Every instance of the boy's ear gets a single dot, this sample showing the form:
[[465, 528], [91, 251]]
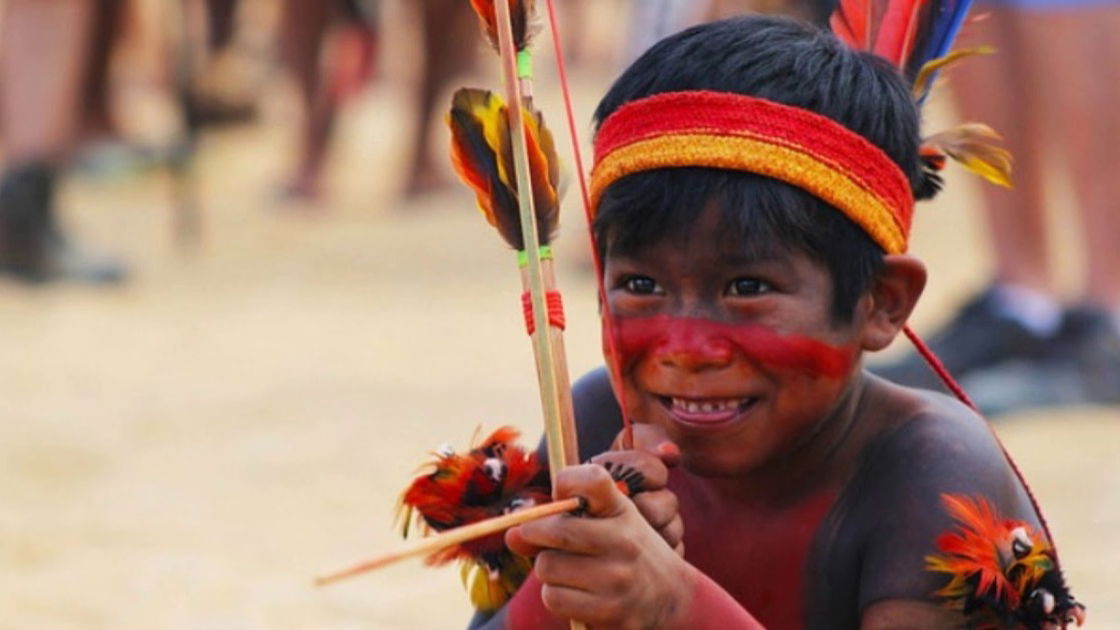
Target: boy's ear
[[893, 295]]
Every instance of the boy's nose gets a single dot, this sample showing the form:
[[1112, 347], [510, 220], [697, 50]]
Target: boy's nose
[[689, 345]]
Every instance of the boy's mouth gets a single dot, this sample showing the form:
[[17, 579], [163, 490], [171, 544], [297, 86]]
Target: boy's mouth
[[706, 411]]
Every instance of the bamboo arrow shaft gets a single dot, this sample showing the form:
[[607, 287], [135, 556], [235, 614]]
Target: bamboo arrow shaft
[[451, 537]]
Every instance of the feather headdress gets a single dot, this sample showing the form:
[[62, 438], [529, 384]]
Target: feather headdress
[[917, 37]]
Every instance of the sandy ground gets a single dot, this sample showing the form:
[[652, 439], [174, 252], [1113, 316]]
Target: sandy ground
[[188, 451]]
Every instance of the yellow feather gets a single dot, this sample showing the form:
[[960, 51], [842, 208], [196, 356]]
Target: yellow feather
[[925, 74], [972, 145]]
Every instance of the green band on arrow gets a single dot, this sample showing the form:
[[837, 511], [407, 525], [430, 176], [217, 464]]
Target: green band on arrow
[[524, 64], [545, 253]]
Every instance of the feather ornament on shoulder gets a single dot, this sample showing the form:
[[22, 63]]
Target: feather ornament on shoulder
[[1002, 572]]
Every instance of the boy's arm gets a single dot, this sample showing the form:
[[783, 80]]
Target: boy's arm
[[902, 513]]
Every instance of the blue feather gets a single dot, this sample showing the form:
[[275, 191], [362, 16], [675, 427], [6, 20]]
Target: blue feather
[[942, 22]]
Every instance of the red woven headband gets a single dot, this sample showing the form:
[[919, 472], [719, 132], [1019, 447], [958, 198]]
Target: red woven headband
[[736, 132]]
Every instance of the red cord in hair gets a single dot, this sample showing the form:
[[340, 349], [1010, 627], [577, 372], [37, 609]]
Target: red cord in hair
[[946, 378], [555, 311]]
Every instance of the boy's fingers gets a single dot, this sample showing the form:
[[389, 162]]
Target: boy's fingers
[[659, 508], [572, 603], [517, 543], [587, 573], [654, 473], [584, 536], [594, 484], [651, 439], [673, 533]]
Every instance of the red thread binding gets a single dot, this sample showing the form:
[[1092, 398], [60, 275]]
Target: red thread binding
[[555, 311]]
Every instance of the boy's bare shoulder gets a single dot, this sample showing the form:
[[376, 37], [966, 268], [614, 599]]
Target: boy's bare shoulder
[[935, 434], [934, 447]]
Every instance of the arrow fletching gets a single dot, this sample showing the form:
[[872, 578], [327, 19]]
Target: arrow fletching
[[482, 155], [522, 16]]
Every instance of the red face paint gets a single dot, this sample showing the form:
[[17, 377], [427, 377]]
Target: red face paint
[[697, 343]]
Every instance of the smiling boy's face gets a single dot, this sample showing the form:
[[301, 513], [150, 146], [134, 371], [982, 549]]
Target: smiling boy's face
[[736, 356]]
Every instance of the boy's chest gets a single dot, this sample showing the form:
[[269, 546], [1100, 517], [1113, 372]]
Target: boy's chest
[[758, 558]]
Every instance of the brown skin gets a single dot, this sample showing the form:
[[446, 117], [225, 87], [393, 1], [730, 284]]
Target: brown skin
[[801, 439]]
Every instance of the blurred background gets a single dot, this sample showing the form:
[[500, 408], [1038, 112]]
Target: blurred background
[[242, 298]]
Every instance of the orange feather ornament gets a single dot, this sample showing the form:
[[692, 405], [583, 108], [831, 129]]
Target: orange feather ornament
[[1002, 573], [495, 477]]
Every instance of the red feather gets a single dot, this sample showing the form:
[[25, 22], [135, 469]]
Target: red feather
[[522, 14], [887, 28]]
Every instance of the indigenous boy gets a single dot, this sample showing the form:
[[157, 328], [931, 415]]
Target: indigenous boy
[[746, 274]]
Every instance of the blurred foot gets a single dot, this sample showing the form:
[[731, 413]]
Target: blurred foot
[[1083, 367], [32, 248], [1000, 324], [300, 189]]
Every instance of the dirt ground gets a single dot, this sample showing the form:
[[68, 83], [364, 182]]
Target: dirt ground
[[189, 450]]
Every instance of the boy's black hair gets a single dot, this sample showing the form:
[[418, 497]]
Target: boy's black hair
[[788, 62]]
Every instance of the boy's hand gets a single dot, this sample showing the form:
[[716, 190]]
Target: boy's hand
[[611, 569], [654, 453]]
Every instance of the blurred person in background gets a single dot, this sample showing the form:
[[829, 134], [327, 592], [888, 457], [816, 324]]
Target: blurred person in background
[[1051, 89], [652, 20], [50, 68], [330, 49], [325, 75]]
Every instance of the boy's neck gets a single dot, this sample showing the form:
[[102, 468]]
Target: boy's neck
[[825, 459]]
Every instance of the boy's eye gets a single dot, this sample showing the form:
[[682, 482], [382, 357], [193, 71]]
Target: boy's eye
[[748, 286], [641, 285]]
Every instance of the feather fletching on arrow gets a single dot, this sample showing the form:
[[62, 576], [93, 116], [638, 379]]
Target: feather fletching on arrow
[[522, 16], [481, 154], [972, 145]]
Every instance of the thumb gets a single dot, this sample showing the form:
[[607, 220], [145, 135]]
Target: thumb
[[595, 485]]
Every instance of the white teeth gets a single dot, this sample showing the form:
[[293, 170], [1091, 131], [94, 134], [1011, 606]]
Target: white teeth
[[707, 406]]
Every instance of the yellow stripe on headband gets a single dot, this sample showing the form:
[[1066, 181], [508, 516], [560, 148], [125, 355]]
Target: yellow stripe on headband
[[763, 157]]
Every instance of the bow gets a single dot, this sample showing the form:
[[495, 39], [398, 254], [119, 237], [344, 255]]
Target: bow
[[505, 153]]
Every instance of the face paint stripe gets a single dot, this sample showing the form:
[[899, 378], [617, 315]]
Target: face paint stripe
[[703, 342]]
